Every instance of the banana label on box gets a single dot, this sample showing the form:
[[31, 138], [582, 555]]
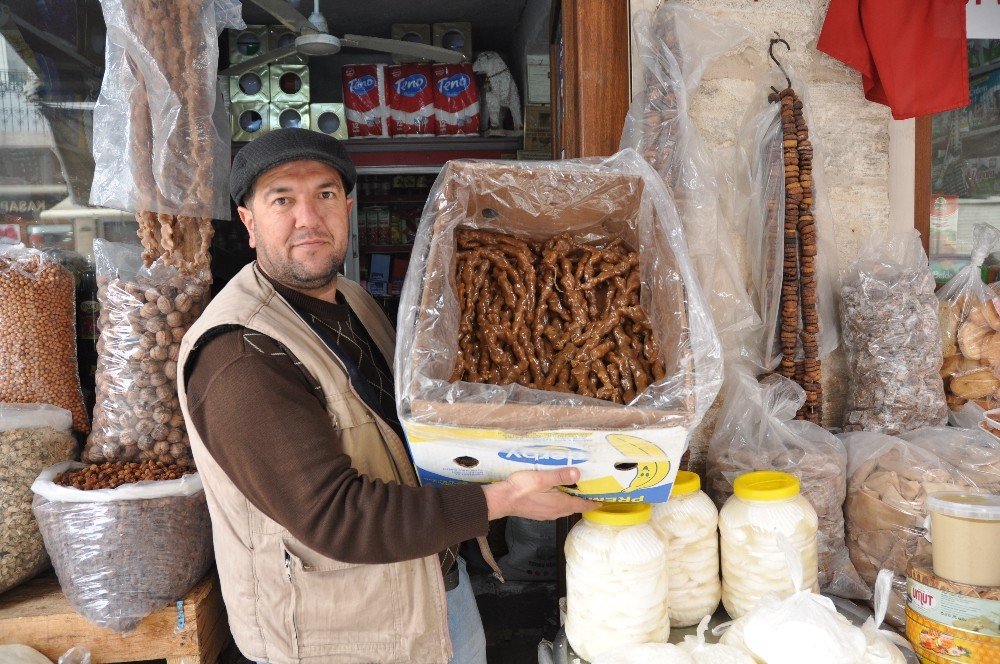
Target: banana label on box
[[615, 466]]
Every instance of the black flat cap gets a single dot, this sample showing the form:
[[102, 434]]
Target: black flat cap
[[282, 146]]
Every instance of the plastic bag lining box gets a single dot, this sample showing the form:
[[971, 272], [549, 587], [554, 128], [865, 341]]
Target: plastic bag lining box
[[466, 432]]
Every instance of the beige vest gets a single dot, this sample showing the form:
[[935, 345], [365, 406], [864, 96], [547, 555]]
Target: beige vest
[[286, 602]]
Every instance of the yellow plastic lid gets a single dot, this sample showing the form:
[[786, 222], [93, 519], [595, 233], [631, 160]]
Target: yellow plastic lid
[[620, 514], [766, 485], [686, 482]]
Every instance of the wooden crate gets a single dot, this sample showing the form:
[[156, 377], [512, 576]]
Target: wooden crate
[[37, 614]]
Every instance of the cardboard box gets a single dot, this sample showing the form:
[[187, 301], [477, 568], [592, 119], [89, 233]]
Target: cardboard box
[[624, 454], [538, 128]]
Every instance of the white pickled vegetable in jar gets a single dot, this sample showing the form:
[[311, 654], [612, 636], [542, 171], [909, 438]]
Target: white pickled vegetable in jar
[[616, 580], [765, 503], [688, 523]]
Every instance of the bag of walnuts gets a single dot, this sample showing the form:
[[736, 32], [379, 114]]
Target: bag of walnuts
[[38, 333], [144, 314], [32, 438], [122, 553]]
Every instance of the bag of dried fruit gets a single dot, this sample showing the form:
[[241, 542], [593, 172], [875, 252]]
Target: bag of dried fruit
[[32, 438], [123, 550], [889, 318], [38, 333], [144, 314], [970, 328]]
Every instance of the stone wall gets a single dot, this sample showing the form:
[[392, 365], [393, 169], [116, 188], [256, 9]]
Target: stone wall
[[852, 135]]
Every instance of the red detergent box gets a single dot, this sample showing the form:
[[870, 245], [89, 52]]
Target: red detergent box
[[411, 100], [456, 99], [365, 105]]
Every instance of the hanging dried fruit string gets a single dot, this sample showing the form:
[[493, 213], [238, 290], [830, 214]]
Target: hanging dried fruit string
[[799, 314], [170, 32]]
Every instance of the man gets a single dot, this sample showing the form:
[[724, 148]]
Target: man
[[328, 549]]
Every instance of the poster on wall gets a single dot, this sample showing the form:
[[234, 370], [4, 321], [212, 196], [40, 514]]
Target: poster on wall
[[982, 19]]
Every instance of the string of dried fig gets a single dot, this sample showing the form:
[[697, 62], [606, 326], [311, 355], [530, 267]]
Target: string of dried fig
[[799, 314], [182, 241], [561, 316]]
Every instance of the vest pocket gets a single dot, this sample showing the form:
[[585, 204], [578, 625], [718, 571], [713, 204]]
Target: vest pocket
[[343, 608]]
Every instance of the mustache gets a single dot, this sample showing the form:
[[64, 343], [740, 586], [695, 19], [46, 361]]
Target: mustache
[[308, 236]]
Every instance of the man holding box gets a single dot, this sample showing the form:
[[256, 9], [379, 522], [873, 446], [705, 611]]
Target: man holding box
[[328, 549]]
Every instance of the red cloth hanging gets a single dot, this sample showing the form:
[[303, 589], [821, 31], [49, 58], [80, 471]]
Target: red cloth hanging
[[912, 54]]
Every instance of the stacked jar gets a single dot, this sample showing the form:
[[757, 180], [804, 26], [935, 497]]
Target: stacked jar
[[765, 508], [616, 581], [688, 523]]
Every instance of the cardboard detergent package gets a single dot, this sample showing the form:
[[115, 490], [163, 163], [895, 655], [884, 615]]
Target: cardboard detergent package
[[463, 431], [410, 95]]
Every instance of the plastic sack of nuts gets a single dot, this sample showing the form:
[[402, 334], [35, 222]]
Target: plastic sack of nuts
[[560, 214], [889, 320], [677, 44], [38, 333], [970, 328], [161, 128], [889, 479], [122, 553], [144, 314], [756, 430], [32, 438]]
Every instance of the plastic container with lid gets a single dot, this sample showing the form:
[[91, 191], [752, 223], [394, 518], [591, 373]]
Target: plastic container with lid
[[765, 503], [616, 580], [689, 526], [965, 537]]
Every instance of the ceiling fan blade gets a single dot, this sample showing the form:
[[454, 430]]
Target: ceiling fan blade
[[265, 59], [63, 46], [399, 47], [287, 15]]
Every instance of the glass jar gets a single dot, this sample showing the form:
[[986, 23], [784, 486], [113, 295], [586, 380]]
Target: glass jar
[[765, 503], [688, 523], [616, 580]]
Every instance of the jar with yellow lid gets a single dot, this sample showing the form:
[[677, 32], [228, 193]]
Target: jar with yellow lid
[[616, 581], [688, 523], [765, 504]]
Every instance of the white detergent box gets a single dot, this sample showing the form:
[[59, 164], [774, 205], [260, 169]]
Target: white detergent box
[[615, 466]]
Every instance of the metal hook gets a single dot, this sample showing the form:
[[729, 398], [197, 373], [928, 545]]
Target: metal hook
[[770, 52]]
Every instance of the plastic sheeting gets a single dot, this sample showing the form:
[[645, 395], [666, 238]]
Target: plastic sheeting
[[161, 138], [677, 44], [594, 200]]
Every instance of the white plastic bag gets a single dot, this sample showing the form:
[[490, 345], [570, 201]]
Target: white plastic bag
[[157, 140], [531, 550], [712, 653], [756, 430], [883, 644], [889, 316], [676, 44], [646, 653], [122, 553], [592, 200]]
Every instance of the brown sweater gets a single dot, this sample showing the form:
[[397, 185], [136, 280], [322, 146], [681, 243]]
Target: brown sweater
[[263, 419]]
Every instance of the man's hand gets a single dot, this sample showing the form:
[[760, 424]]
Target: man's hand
[[531, 494]]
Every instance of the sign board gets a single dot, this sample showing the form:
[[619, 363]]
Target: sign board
[[982, 19]]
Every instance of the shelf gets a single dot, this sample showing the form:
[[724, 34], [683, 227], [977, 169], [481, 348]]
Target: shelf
[[386, 248], [440, 143]]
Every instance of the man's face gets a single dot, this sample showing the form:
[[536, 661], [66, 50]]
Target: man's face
[[298, 219]]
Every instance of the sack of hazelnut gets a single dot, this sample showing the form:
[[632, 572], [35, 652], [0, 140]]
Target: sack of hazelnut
[[122, 553], [144, 314], [38, 333]]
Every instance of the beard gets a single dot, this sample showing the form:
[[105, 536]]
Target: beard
[[300, 276]]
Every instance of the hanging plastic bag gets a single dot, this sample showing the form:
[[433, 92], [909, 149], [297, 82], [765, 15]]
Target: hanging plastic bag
[[144, 314], [38, 361], [122, 553], [970, 328], [676, 44], [32, 438], [611, 199], [756, 430], [883, 644], [889, 479], [158, 145], [890, 325], [759, 181]]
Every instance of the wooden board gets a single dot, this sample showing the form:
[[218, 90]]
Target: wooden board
[[37, 614]]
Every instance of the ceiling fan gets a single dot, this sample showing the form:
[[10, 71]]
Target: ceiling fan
[[315, 40]]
